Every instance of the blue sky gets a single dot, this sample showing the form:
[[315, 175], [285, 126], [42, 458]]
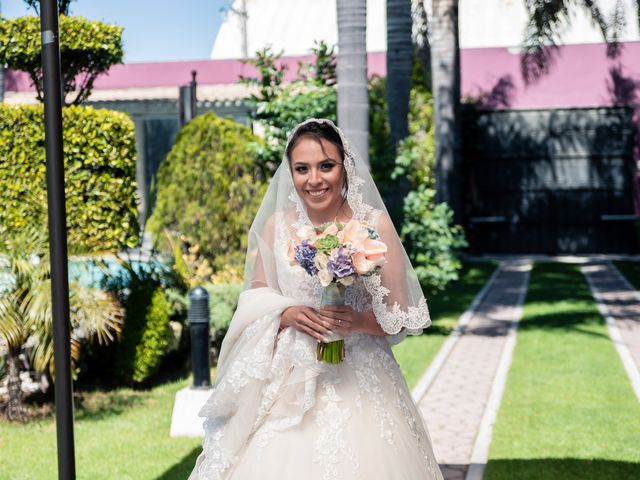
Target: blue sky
[[154, 30]]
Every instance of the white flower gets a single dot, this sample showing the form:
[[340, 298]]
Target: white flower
[[325, 277], [321, 261]]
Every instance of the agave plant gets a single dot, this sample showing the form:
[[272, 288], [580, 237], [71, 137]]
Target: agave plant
[[25, 311]]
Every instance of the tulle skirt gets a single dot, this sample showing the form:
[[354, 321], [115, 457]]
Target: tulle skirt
[[364, 425]]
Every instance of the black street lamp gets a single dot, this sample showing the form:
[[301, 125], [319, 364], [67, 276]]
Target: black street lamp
[[57, 237]]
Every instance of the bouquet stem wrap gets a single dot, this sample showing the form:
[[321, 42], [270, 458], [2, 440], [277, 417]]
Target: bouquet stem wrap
[[333, 351]]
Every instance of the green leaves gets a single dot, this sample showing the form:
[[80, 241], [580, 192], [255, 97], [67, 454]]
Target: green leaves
[[99, 173], [431, 238], [87, 49], [25, 305], [209, 189], [278, 108]]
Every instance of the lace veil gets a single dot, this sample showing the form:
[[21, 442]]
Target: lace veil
[[266, 378], [396, 296]]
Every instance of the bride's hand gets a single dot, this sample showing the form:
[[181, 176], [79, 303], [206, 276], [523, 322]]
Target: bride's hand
[[343, 318], [347, 320], [307, 320]]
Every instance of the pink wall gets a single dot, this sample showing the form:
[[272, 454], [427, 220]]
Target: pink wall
[[582, 76], [137, 75]]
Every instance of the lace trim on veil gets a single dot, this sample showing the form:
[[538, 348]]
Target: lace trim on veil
[[392, 318]]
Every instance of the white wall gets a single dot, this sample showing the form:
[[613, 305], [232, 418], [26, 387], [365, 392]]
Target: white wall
[[501, 23], [292, 26]]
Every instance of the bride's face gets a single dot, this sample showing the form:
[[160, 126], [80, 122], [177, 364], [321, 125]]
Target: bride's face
[[318, 175]]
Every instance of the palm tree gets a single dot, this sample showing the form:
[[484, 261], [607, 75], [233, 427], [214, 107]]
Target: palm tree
[[399, 61], [541, 38], [420, 34], [25, 311], [546, 19], [445, 78], [353, 97]]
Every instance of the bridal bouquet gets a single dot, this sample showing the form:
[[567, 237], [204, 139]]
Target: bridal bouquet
[[336, 253]]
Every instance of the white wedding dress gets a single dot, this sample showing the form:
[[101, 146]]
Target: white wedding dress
[[352, 420], [275, 412]]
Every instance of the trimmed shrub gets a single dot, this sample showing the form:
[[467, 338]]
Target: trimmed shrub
[[100, 166], [146, 335], [209, 189], [156, 337], [87, 49]]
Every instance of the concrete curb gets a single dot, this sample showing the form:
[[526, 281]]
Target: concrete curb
[[480, 453], [614, 332], [436, 364]]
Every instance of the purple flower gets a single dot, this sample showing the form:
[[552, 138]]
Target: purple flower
[[305, 256], [341, 265]]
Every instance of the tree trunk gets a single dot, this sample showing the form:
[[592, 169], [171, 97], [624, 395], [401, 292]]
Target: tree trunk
[[15, 408], [353, 96], [445, 67], [421, 39], [399, 58]]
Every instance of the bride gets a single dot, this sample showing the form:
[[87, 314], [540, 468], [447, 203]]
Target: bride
[[278, 413]]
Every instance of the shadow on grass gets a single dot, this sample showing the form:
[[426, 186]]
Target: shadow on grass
[[573, 320], [561, 468], [181, 470], [631, 271], [559, 298], [100, 405]]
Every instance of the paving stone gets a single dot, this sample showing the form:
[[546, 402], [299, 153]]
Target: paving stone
[[456, 399], [622, 302]]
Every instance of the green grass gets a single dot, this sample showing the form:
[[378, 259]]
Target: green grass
[[122, 434], [568, 411], [415, 353], [631, 270]]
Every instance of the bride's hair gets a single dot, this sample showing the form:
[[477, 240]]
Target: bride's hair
[[319, 131]]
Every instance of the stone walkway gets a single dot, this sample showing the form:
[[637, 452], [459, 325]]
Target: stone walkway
[[464, 395], [619, 304]]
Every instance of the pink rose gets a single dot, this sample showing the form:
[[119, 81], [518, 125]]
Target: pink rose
[[370, 256], [354, 234]]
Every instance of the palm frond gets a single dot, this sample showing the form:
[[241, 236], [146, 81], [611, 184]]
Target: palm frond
[[548, 20], [95, 313], [13, 332]]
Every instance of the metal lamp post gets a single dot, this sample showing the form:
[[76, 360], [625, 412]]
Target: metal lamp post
[[57, 237]]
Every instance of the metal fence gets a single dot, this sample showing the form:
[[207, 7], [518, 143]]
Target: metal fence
[[550, 181]]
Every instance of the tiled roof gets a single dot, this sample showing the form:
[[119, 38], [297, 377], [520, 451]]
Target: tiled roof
[[217, 79], [212, 93]]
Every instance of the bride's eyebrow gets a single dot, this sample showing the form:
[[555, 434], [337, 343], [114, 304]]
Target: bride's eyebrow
[[328, 159]]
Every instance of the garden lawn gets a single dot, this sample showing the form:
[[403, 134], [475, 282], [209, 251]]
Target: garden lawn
[[568, 411], [414, 353], [123, 435], [631, 270]]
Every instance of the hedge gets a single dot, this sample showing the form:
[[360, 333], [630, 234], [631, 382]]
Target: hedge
[[209, 189], [100, 166]]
